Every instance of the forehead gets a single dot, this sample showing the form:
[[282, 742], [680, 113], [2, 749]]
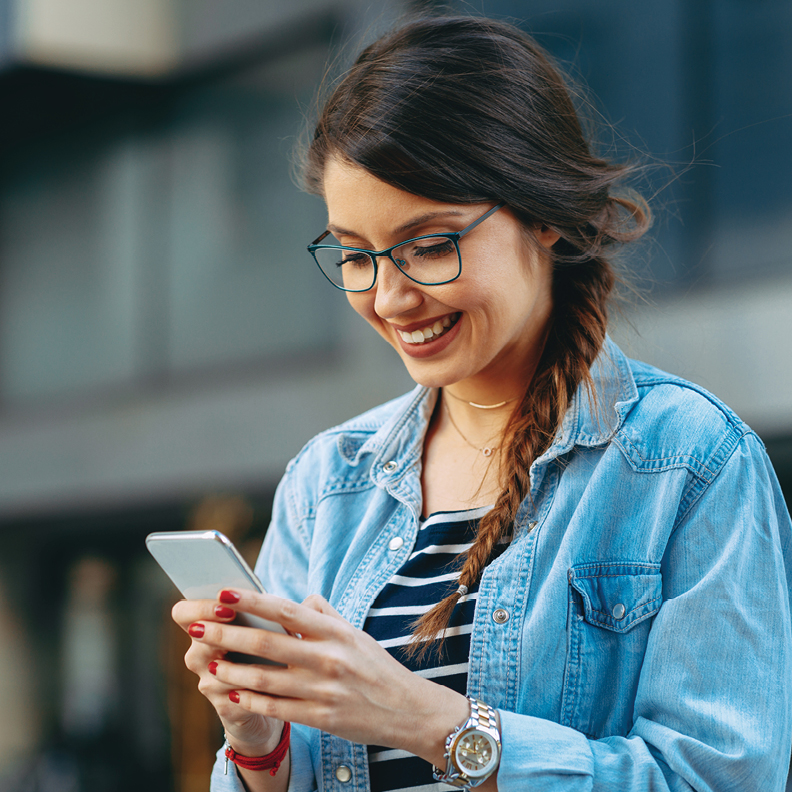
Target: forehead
[[359, 201]]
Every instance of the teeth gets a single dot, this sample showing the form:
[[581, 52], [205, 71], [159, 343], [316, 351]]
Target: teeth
[[425, 333]]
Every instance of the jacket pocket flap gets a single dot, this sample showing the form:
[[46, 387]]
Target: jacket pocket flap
[[618, 595]]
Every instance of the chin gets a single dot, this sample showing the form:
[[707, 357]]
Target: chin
[[423, 375]]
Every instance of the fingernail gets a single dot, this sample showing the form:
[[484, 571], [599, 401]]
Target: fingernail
[[213, 667], [229, 597], [224, 613], [196, 630], [234, 696]]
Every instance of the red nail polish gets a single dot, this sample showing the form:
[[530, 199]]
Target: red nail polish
[[234, 696], [213, 667], [224, 613], [196, 630], [229, 597]]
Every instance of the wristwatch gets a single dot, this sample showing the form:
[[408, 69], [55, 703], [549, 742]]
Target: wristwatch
[[472, 750]]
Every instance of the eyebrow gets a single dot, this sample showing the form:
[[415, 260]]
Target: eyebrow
[[405, 227]]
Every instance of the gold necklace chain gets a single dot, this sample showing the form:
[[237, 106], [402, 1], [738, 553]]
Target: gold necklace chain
[[479, 406], [486, 451]]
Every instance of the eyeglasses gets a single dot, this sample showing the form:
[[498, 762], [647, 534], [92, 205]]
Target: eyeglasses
[[431, 260]]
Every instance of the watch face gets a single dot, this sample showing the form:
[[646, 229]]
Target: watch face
[[475, 753]]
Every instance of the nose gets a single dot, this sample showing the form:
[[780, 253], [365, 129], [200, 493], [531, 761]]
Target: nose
[[395, 292]]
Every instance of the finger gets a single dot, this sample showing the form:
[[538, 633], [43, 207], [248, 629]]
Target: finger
[[186, 612], [244, 725], [282, 709], [218, 696], [274, 646], [203, 660], [321, 605], [213, 688], [267, 679], [199, 656], [279, 681], [305, 620]]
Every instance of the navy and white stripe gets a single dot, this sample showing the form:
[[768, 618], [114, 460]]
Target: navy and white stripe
[[428, 576]]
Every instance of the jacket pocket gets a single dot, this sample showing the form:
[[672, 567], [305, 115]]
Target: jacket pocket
[[611, 607]]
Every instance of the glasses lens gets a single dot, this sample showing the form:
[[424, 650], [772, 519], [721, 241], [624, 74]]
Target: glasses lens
[[348, 269], [429, 260]]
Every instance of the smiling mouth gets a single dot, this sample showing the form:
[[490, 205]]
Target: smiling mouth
[[431, 332]]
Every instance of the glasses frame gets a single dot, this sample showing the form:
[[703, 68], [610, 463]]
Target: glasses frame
[[454, 236]]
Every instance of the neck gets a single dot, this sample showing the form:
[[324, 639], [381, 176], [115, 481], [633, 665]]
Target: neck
[[479, 406], [499, 389], [481, 400], [482, 427]]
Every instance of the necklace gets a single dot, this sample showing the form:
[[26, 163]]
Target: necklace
[[479, 406], [486, 451]]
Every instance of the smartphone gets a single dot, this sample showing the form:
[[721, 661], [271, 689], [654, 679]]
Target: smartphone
[[200, 564]]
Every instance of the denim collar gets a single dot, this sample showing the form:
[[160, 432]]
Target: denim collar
[[399, 439], [593, 422]]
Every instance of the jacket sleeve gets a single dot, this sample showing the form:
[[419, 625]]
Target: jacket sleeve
[[712, 709], [282, 567], [301, 776], [282, 564]]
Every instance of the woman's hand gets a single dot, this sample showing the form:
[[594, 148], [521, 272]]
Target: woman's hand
[[336, 678], [249, 733]]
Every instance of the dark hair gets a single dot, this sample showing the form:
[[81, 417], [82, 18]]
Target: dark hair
[[470, 110]]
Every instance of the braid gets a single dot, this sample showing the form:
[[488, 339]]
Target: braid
[[575, 338]]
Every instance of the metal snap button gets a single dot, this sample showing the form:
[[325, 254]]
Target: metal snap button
[[500, 616], [532, 525], [343, 773], [389, 467], [619, 611], [395, 543]]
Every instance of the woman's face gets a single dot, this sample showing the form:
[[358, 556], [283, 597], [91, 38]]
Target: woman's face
[[487, 326]]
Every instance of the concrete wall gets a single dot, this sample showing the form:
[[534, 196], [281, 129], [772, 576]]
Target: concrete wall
[[734, 341]]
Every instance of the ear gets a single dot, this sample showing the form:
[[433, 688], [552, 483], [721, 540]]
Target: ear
[[546, 236]]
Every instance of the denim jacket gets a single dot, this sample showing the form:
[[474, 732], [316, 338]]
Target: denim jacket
[[642, 638]]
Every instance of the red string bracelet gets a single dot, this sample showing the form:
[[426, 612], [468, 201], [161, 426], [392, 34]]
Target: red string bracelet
[[272, 761]]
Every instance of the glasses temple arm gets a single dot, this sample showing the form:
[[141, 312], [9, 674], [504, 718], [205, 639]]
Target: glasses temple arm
[[482, 218], [319, 239]]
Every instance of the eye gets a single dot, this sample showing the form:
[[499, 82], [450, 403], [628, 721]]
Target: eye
[[355, 259], [435, 249]]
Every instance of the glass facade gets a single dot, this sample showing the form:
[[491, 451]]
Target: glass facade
[[701, 91], [151, 239], [163, 239]]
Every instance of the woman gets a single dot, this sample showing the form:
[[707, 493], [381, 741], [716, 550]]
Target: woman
[[596, 552]]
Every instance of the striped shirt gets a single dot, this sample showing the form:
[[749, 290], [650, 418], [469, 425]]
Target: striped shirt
[[428, 576]]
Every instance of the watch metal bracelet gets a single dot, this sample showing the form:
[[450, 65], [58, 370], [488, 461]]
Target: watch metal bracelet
[[483, 723]]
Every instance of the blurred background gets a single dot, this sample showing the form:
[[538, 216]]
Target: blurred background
[[167, 345]]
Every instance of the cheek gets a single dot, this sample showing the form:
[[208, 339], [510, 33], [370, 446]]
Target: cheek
[[534, 275]]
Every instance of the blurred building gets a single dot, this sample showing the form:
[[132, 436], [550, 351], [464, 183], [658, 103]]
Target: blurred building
[[164, 335], [166, 344]]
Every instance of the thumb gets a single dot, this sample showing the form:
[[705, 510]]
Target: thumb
[[321, 605]]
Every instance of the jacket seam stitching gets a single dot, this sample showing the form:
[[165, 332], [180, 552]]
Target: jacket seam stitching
[[627, 563], [693, 494], [619, 575], [680, 457]]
